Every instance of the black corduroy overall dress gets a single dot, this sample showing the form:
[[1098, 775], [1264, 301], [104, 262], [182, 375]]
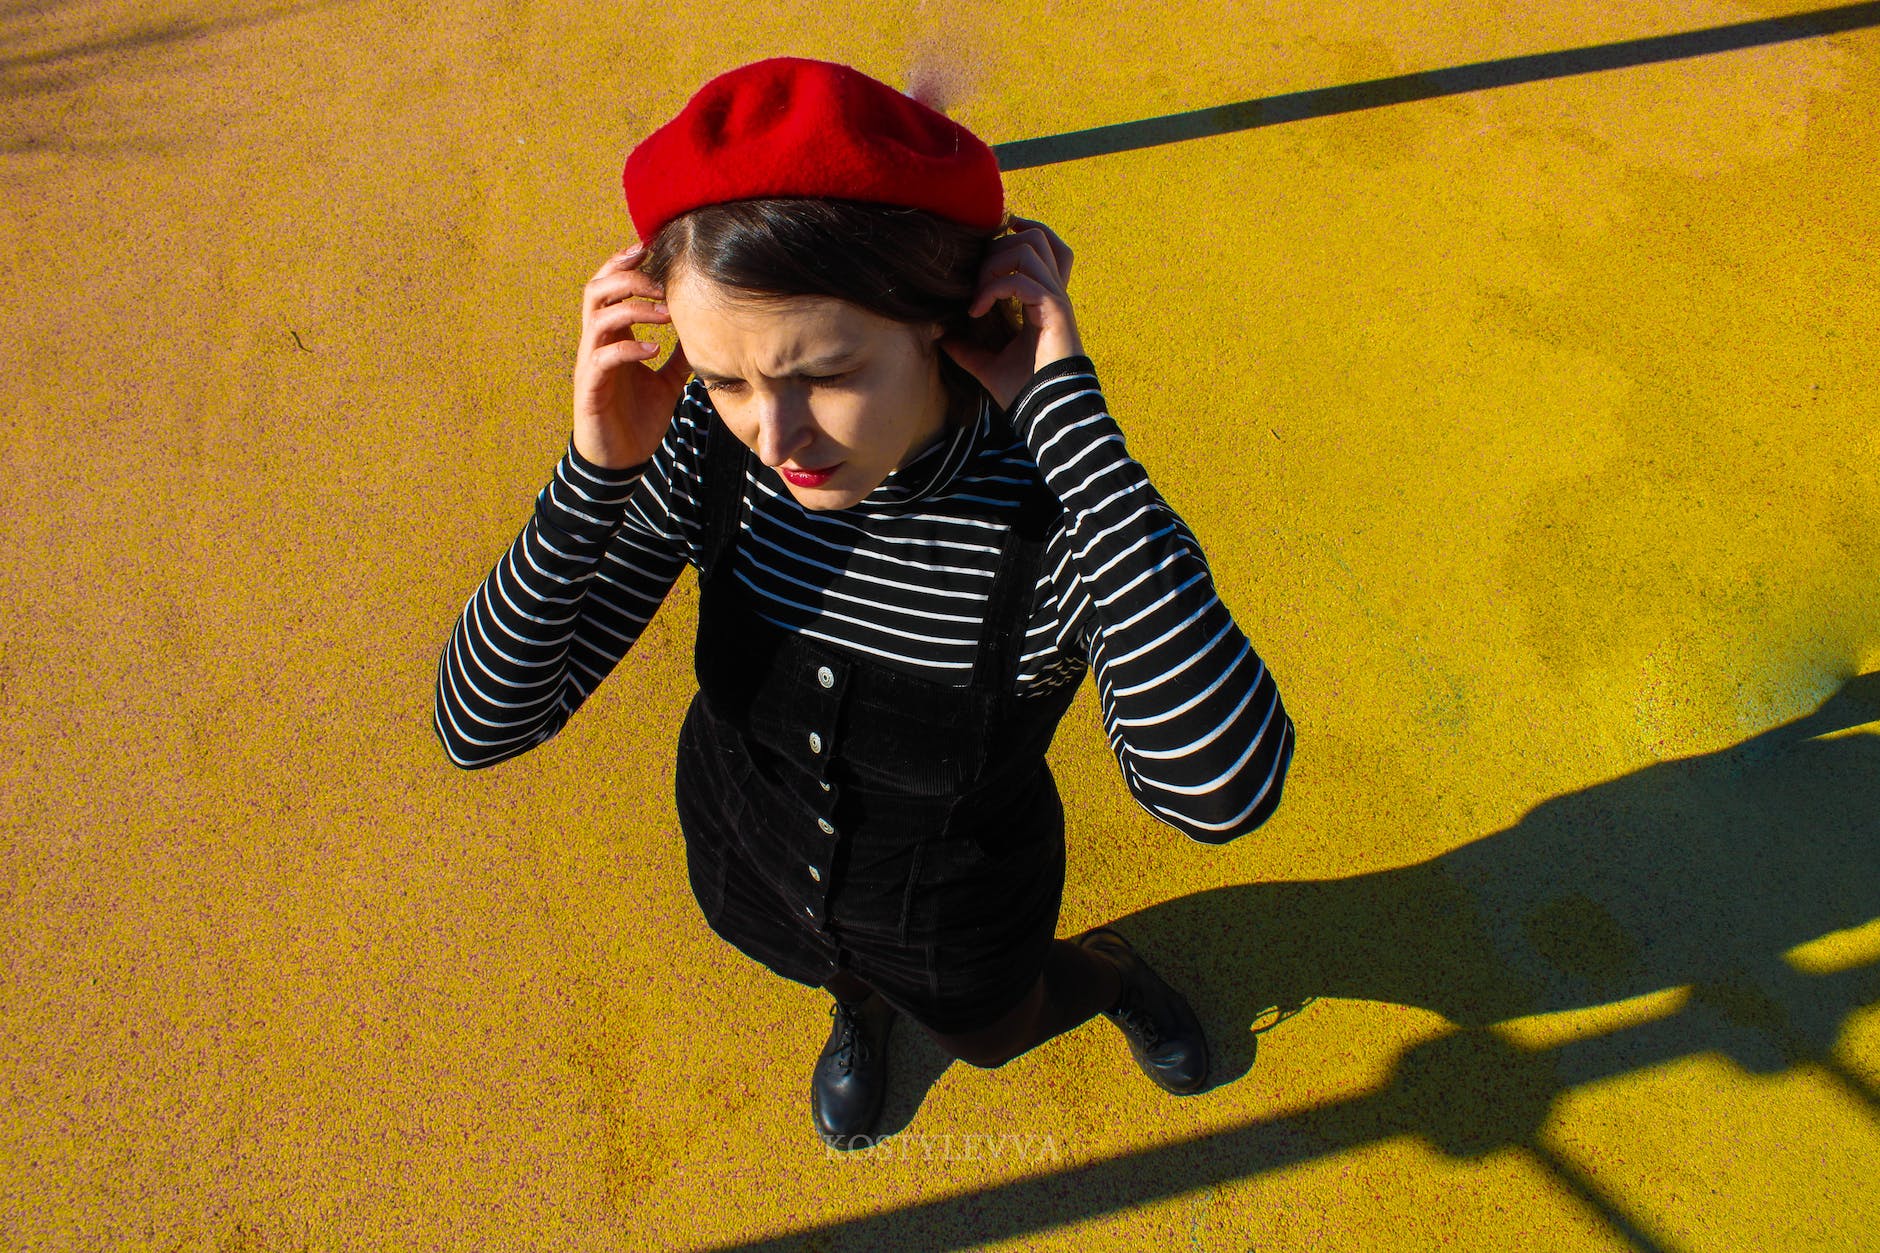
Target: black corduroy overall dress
[[842, 814]]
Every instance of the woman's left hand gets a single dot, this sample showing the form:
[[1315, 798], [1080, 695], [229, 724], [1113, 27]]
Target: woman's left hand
[[1031, 265]]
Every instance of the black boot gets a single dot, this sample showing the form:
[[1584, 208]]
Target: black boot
[[1164, 1035], [851, 1075]]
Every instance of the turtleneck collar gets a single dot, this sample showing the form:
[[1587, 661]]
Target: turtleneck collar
[[931, 472]]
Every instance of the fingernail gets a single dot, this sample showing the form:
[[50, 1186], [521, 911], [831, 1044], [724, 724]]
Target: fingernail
[[659, 308], [636, 250]]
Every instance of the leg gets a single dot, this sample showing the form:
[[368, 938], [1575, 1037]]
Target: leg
[[844, 986], [1075, 985], [1164, 1035], [850, 1080]]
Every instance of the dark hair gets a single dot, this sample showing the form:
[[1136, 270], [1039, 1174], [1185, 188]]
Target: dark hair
[[907, 265]]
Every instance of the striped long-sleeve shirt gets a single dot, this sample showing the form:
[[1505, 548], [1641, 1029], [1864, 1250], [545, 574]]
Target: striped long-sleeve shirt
[[902, 579]]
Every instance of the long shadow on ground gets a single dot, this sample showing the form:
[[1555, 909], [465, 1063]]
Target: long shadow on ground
[[1697, 873], [1454, 80]]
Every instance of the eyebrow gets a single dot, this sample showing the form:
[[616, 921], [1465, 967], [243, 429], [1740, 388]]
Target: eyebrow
[[816, 365]]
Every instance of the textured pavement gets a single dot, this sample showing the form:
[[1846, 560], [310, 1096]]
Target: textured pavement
[[1527, 417]]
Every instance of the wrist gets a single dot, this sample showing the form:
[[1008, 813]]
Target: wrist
[[605, 464]]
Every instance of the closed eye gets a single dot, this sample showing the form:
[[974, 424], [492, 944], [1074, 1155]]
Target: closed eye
[[819, 380]]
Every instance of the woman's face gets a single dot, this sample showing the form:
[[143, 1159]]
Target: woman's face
[[831, 396]]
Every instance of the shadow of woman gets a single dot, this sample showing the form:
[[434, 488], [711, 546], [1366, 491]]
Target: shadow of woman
[[1696, 874], [1699, 872]]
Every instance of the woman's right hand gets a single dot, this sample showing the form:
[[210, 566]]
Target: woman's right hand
[[622, 406]]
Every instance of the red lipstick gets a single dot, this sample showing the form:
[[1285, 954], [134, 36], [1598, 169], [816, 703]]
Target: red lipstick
[[808, 478]]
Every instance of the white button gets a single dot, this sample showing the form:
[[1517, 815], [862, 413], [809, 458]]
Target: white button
[[823, 784], [825, 676], [815, 874], [828, 828], [815, 742]]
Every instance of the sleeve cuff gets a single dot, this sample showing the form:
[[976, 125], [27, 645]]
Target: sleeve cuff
[[601, 476], [584, 502], [1062, 367]]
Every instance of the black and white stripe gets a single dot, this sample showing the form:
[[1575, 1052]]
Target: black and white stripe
[[1191, 712]]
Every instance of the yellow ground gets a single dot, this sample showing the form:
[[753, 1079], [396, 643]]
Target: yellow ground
[[1532, 436]]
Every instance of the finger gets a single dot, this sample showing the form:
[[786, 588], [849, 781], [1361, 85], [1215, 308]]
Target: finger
[[1060, 251], [1051, 249], [1022, 262], [611, 321], [1027, 290], [609, 289], [624, 258], [609, 357], [1012, 248]]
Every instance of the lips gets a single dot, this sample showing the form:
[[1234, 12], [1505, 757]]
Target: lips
[[808, 478]]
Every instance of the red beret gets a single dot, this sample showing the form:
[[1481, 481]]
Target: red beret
[[789, 126]]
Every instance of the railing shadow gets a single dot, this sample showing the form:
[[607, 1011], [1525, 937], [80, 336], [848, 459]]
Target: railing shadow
[[1696, 874], [1297, 106]]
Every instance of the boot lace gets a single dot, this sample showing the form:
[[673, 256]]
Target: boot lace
[[851, 1044], [1134, 1019]]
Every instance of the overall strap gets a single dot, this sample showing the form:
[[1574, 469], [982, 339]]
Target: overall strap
[[725, 461], [1008, 606]]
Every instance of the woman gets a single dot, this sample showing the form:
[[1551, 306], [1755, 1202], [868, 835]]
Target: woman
[[915, 527]]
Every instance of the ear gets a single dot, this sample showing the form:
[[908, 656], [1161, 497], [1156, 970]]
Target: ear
[[971, 358], [927, 336]]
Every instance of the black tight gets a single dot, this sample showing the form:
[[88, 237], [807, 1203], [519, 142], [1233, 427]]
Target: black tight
[[844, 986], [1075, 985]]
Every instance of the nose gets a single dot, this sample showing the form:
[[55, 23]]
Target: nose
[[783, 429]]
